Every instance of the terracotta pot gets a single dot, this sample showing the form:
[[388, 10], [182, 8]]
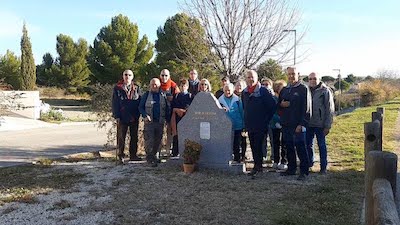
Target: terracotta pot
[[188, 168]]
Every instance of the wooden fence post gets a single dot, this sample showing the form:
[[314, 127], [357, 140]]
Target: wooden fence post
[[378, 165], [371, 140], [385, 211], [378, 116], [382, 111]]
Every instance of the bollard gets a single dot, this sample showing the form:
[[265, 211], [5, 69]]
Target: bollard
[[378, 165], [371, 140]]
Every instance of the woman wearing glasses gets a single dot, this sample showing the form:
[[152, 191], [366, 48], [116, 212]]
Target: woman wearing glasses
[[204, 85]]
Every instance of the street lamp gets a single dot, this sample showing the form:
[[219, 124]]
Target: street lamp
[[294, 55], [340, 90]]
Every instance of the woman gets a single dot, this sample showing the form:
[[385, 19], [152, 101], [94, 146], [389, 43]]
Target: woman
[[240, 85], [204, 85], [234, 109]]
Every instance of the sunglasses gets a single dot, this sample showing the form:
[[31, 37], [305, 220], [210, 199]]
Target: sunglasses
[[127, 74], [203, 84], [164, 75], [312, 78]]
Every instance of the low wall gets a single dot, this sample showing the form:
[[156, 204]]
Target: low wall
[[29, 102]]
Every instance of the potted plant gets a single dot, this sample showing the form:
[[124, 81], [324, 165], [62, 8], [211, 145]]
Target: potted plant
[[191, 155]]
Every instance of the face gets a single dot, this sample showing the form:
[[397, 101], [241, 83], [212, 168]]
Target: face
[[155, 85], [251, 79], [266, 84], [184, 87], [238, 87], [127, 76], [164, 76], [224, 82], [313, 80], [193, 75], [203, 86], [228, 92], [293, 77]]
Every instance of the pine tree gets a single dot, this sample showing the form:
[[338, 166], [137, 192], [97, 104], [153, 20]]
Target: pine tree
[[10, 70], [28, 68]]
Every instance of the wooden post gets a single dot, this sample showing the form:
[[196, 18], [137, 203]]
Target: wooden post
[[378, 116], [371, 140], [385, 211], [378, 165], [382, 111]]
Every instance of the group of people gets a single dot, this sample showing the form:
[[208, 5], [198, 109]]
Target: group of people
[[291, 115]]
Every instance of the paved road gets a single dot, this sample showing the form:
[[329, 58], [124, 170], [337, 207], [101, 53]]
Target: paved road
[[22, 146]]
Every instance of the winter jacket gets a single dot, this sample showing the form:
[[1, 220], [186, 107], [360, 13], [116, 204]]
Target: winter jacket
[[259, 107], [323, 107], [276, 119], [235, 110], [157, 114], [194, 87], [126, 107], [182, 100], [299, 111]]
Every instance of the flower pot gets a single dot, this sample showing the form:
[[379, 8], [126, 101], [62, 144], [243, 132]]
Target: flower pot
[[188, 168]]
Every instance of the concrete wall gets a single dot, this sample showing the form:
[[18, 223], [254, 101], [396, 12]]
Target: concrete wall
[[29, 102]]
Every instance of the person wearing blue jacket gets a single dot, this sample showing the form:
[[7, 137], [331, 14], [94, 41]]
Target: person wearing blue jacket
[[233, 107], [155, 110], [295, 103], [125, 109], [259, 107]]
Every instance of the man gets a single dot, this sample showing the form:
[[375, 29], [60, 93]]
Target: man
[[155, 110], [170, 89], [320, 123], [125, 103], [224, 81], [295, 103], [193, 82], [259, 107]]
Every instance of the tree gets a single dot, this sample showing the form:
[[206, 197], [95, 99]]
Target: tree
[[327, 79], [369, 78], [351, 79], [44, 75], [28, 67], [272, 70], [10, 70], [344, 85], [182, 45], [73, 68], [242, 33], [116, 48]]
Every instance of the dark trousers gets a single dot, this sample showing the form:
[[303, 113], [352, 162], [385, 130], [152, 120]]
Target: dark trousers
[[153, 132], [243, 146], [237, 138], [278, 147], [133, 133], [175, 146], [256, 144], [295, 142]]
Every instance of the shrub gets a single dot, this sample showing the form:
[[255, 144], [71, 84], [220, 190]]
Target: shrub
[[52, 115], [377, 91], [191, 154]]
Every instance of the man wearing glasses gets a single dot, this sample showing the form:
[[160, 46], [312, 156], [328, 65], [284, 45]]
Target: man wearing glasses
[[295, 103], [125, 108], [320, 123], [193, 82]]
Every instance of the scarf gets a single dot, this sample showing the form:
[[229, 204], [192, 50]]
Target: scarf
[[252, 88]]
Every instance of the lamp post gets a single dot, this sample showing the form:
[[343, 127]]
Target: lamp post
[[340, 89], [295, 41]]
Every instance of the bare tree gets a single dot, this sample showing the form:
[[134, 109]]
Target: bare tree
[[242, 33]]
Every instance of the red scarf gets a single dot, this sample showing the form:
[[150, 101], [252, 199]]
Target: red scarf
[[169, 84], [252, 88]]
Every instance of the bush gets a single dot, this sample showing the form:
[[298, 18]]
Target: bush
[[52, 115], [347, 101], [377, 91]]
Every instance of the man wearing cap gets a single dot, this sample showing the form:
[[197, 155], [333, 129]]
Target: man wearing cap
[[125, 108]]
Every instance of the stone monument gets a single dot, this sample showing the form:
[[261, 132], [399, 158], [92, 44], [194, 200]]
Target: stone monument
[[207, 123]]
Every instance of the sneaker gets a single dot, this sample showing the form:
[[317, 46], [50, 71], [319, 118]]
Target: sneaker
[[287, 173], [302, 177], [282, 167]]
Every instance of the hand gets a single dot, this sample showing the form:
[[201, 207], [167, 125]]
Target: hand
[[285, 104], [147, 119], [180, 112], [170, 98], [298, 129], [226, 110], [326, 131]]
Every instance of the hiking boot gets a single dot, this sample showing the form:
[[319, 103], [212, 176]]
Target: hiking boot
[[282, 167], [323, 172]]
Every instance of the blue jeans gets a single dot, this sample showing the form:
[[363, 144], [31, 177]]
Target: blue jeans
[[295, 142], [323, 154]]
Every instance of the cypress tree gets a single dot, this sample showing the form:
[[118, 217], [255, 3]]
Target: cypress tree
[[28, 67]]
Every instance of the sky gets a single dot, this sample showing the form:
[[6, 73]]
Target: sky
[[359, 37]]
